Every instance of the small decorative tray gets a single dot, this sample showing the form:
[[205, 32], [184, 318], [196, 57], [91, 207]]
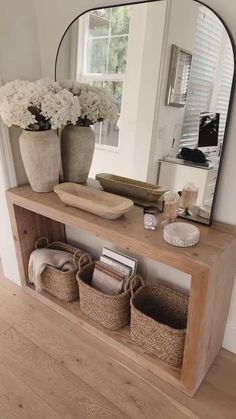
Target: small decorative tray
[[130, 187], [93, 200]]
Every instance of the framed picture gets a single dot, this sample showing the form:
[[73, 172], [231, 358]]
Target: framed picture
[[178, 79]]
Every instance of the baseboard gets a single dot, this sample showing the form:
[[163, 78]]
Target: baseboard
[[229, 342]]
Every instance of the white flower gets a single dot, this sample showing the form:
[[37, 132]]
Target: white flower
[[60, 108], [38, 105], [96, 104]]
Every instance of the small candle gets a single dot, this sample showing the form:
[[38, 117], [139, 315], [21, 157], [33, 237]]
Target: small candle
[[150, 218]]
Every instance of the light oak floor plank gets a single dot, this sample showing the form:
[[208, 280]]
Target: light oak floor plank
[[18, 401], [67, 395], [98, 369], [62, 364], [3, 325]]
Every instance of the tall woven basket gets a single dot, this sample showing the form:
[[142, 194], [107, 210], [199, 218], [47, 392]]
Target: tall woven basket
[[62, 285], [111, 311], [158, 322]]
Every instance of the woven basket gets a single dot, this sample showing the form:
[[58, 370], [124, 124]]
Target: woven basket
[[158, 322], [111, 311], [62, 285]]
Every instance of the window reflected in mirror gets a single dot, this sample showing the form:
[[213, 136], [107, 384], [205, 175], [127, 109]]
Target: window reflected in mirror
[[102, 36]]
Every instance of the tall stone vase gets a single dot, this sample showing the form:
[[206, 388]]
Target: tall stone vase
[[77, 149], [40, 151]]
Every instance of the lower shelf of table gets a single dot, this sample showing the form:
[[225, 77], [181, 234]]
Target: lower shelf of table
[[119, 340]]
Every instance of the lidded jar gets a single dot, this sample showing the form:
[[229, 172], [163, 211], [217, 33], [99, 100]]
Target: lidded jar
[[189, 197], [171, 206]]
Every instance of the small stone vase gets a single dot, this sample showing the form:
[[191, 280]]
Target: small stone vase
[[40, 151], [77, 149]]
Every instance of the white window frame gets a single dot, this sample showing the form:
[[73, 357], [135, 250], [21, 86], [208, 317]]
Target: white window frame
[[78, 65]]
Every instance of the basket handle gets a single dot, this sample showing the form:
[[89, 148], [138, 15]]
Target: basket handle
[[135, 283], [81, 260], [43, 240]]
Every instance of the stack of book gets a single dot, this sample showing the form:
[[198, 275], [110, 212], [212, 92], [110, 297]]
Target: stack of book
[[112, 271]]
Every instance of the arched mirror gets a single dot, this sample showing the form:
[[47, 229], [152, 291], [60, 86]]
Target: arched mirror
[[169, 67]]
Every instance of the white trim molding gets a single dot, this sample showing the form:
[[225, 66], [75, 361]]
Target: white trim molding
[[7, 180], [6, 158]]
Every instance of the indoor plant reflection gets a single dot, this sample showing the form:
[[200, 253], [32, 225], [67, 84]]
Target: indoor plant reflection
[[78, 142]]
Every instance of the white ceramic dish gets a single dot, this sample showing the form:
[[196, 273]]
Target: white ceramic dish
[[93, 200], [181, 234], [130, 187]]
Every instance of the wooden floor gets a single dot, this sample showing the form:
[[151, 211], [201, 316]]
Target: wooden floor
[[50, 368]]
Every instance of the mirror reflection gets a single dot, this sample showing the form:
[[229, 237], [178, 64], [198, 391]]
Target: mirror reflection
[[169, 67]]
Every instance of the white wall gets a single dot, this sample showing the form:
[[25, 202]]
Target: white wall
[[152, 55], [20, 55], [19, 46], [20, 58], [169, 117], [65, 57], [52, 18]]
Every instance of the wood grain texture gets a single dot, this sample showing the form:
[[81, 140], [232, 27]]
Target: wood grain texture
[[17, 400], [27, 227], [211, 264], [210, 293], [128, 231], [93, 200], [87, 361], [195, 351], [56, 343], [3, 325], [57, 386]]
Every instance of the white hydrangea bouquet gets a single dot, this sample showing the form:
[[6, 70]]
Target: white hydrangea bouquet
[[95, 103], [38, 106]]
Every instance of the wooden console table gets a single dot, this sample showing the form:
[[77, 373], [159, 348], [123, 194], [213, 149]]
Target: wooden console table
[[211, 264]]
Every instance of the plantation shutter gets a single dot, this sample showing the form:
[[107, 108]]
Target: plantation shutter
[[223, 94], [206, 52]]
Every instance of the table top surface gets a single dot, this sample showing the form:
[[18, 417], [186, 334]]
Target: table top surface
[[128, 231]]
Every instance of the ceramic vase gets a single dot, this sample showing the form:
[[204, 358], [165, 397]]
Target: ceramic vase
[[40, 151], [77, 149]]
